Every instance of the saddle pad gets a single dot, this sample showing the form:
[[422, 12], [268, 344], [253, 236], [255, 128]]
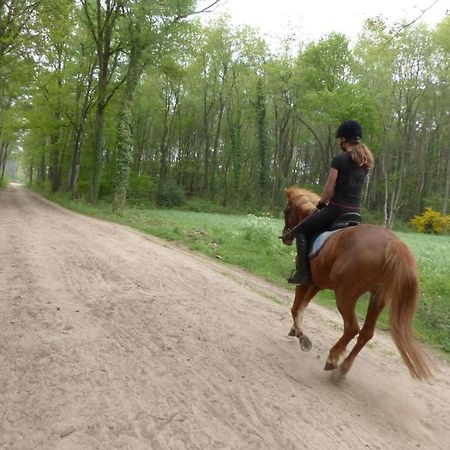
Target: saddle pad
[[320, 241]]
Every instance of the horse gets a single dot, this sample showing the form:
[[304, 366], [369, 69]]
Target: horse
[[356, 260]]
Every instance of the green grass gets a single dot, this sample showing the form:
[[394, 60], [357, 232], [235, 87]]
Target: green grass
[[433, 258], [252, 243]]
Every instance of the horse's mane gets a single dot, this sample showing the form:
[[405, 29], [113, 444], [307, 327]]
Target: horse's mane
[[302, 199]]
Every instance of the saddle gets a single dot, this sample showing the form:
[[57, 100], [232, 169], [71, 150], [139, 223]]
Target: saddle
[[344, 221]]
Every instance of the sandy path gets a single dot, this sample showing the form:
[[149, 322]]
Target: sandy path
[[110, 339]]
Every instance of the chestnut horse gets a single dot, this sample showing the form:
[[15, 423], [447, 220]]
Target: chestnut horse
[[359, 259]]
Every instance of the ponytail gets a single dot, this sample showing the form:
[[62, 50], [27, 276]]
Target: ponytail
[[362, 155]]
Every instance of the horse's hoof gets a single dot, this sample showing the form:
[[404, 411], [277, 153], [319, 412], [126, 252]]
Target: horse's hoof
[[305, 343], [291, 332], [329, 366]]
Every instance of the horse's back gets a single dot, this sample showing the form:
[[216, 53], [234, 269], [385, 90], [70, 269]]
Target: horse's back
[[355, 257]]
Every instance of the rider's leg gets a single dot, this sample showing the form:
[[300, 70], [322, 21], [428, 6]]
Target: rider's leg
[[315, 223], [302, 273]]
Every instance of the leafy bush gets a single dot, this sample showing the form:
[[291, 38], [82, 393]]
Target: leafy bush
[[83, 188], [431, 221], [203, 205], [140, 187], [170, 194], [106, 189], [4, 182]]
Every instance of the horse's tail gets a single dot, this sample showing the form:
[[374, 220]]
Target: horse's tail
[[400, 290]]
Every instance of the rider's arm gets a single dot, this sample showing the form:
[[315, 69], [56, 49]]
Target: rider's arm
[[328, 190]]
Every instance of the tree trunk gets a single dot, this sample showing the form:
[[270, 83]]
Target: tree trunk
[[3, 159], [263, 181], [163, 148], [213, 188], [75, 165], [30, 177], [55, 172], [105, 17], [169, 120], [447, 185], [55, 178], [98, 146], [42, 171], [78, 135], [206, 114], [124, 132]]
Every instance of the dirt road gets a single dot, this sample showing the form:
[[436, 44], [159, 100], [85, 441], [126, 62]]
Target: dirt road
[[113, 340]]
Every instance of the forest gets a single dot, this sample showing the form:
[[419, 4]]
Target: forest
[[142, 102]]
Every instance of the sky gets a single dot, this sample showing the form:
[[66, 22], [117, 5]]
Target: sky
[[313, 19]]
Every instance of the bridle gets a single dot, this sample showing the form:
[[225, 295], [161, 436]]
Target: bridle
[[287, 212], [286, 229]]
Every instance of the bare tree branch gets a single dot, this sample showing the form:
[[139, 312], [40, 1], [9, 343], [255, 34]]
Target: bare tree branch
[[207, 8], [403, 27], [200, 11]]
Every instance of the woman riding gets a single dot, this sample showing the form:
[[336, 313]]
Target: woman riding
[[341, 194]]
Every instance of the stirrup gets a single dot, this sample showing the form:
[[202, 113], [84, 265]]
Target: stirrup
[[297, 277]]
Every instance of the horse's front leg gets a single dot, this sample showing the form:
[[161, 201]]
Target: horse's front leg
[[303, 295]]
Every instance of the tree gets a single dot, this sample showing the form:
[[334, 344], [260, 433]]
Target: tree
[[16, 18], [148, 26], [102, 20], [442, 39], [261, 124], [153, 30]]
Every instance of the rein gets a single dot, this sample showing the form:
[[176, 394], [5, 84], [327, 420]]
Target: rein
[[292, 230]]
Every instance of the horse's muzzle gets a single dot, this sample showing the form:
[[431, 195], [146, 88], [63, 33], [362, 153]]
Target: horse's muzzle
[[286, 239]]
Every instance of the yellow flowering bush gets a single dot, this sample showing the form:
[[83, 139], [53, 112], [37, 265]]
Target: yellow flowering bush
[[431, 221]]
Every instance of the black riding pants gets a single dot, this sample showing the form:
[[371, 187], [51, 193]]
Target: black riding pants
[[321, 220]]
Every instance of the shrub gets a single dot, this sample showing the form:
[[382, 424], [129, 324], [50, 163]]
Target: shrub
[[431, 221], [4, 182], [170, 194], [203, 205], [140, 187]]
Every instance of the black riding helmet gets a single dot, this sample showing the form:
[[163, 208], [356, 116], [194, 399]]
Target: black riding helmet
[[350, 129]]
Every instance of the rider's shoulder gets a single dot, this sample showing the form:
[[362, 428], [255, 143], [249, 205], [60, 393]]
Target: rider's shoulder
[[342, 158]]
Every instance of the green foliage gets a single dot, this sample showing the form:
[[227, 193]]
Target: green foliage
[[170, 194], [213, 108], [141, 188], [4, 182], [433, 258], [106, 189], [431, 221]]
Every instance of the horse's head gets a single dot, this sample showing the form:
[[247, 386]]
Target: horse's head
[[300, 204], [289, 223]]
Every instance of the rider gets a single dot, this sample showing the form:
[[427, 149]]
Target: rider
[[341, 193]]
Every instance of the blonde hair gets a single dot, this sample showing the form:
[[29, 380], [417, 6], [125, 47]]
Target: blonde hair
[[361, 154]]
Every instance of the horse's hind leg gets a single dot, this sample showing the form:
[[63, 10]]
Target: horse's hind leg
[[376, 305], [346, 304], [303, 295]]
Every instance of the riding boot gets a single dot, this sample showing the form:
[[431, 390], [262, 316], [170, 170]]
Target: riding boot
[[302, 273]]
